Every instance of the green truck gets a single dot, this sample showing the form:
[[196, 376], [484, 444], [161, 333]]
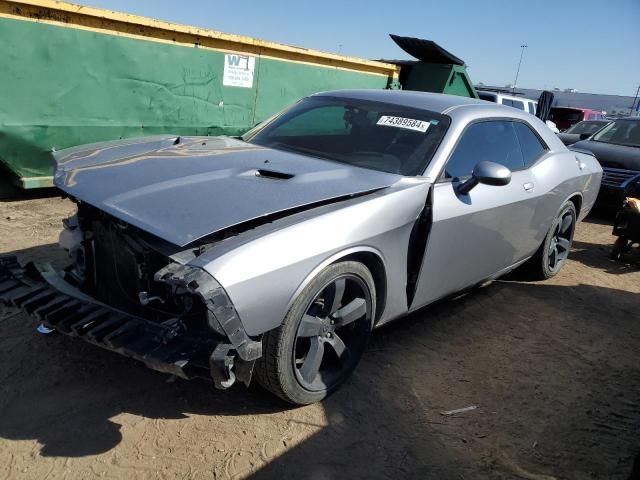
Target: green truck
[[73, 75]]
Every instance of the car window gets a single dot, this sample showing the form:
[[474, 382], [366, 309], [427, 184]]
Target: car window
[[586, 127], [489, 97], [560, 115], [493, 141], [513, 103], [530, 145]]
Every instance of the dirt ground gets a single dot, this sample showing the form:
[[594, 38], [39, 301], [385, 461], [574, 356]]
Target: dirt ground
[[553, 368]]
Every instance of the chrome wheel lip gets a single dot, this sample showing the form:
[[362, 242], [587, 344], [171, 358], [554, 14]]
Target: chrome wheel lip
[[330, 338]]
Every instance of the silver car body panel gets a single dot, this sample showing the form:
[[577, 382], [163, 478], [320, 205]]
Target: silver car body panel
[[263, 269], [273, 266]]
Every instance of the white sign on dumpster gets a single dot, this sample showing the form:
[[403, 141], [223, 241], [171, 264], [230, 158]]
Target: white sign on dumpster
[[238, 70]]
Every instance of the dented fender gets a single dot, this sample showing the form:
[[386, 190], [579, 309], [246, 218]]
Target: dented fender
[[276, 261]]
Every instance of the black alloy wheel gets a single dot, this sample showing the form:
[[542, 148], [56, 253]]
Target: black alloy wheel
[[553, 253], [561, 239], [332, 333], [322, 337]]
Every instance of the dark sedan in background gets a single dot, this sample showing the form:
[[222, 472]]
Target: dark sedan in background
[[581, 131], [617, 148]]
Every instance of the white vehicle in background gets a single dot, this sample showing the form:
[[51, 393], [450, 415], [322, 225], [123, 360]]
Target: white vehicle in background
[[521, 103]]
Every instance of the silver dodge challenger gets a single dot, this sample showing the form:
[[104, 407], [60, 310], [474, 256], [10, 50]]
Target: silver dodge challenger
[[274, 255]]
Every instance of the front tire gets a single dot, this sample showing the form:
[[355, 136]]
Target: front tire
[[322, 337]]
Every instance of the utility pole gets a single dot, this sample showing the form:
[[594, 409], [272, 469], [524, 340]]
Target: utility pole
[[515, 82], [633, 105]]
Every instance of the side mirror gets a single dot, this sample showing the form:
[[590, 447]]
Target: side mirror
[[489, 173], [584, 136]]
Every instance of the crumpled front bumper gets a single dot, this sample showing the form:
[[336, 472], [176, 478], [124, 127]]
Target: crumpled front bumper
[[166, 347]]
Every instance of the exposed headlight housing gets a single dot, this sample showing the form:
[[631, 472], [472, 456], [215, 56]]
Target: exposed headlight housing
[[222, 316]]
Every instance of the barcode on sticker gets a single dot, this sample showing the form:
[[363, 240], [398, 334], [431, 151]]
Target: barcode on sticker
[[401, 122]]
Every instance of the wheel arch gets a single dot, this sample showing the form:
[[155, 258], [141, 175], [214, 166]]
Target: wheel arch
[[576, 199], [371, 257], [378, 271]]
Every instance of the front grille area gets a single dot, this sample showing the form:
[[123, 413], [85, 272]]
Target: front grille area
[[165, 347], [617, 177], [119, 265]]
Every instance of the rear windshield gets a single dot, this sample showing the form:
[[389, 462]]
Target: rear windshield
[[489, 97], [620, 132], [566, 115], [374, 135], [586, 127], [513, 103]]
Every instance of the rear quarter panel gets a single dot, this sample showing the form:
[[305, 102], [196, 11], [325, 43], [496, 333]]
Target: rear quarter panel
[[559, 177]]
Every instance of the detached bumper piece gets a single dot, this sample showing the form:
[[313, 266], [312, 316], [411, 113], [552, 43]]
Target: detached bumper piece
[[166, 347]]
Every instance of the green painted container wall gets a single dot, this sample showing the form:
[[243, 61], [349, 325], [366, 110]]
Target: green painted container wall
[[440, 78], [64, 86]]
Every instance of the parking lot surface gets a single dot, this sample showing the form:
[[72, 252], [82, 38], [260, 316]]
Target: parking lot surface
[[551, 367]]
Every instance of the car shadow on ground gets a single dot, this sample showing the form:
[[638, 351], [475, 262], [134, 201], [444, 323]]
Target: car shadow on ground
[[552, 371], [599, 255]]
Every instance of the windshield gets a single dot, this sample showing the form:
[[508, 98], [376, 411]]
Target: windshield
[[620, 132], [374, 135], [586, 127]]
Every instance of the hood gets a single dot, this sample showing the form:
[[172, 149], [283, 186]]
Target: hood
[[184, 188], [611, 155]]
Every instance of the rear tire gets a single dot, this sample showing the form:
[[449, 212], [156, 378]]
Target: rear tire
[[553, 253], [322, 337]]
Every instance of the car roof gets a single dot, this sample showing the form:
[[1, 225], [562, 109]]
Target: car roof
[[435, 102]]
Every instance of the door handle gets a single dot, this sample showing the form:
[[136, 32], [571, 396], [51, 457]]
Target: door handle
[[528, 187]]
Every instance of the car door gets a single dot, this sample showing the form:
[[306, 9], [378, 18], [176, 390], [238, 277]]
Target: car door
[[478, 235]]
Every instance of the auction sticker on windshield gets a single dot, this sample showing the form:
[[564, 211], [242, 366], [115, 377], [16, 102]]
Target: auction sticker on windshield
[[401, 122]]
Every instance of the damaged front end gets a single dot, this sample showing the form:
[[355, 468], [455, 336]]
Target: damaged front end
[[128, 292]]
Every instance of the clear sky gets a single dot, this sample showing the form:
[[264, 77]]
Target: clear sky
[[590, 45]]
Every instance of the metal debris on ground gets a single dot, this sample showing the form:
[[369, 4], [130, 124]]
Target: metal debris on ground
[[459, 410], [44, 330]]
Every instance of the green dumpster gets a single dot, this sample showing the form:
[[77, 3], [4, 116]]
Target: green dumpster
[[435, 70]]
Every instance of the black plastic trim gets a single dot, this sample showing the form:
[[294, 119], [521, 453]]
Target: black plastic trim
[[166, 347]]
